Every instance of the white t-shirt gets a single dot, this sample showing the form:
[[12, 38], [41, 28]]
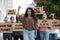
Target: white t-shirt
[[54, 31]]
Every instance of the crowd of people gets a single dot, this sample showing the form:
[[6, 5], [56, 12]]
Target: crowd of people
[[32, 31]]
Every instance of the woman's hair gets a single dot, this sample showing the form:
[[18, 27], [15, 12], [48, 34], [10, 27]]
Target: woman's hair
[[11, 18], [32, 14]]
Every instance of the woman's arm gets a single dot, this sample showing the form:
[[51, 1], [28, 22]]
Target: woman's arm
[[19, 17], [18, 11]]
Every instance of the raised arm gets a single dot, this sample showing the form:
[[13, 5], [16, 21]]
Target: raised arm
[[19, 17], [18, 11]]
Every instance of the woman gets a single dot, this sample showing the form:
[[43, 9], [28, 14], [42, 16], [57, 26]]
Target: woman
[[53, 34], [44, 30], [7, 35], [17, 34], [29, 22]]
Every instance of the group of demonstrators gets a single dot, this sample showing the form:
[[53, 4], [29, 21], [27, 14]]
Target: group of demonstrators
[[32, 31]]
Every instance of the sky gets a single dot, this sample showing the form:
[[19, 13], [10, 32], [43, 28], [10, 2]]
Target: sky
[[23, 3]]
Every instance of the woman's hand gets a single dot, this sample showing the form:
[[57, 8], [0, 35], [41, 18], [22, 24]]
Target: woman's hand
[[19, 7]]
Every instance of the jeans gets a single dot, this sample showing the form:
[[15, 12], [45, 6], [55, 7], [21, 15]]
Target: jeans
[[53, 36], [38, 35], [44, 35], [28, 35], [7, 36], [18, 35]]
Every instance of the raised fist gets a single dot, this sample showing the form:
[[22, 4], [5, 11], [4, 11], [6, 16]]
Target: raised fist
[[19, 7]]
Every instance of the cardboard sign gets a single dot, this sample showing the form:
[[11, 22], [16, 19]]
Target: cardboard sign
[[44, 23], [53, 24], [6, 27], [17, 27], [11, 12]]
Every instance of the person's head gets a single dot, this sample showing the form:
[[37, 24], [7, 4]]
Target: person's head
[[30, 12], [6, 19], [44, 16], [12, 19]]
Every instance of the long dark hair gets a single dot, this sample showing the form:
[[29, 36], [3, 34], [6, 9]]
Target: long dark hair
[[32, 14]]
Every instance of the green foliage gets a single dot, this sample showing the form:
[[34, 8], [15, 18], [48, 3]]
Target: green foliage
[[50, 6]]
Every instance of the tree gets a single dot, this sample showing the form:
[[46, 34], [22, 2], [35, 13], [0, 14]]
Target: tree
[[50, 6]]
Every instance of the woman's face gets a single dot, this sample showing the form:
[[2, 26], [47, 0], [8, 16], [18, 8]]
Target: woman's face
[[44, 16], [29, 12]]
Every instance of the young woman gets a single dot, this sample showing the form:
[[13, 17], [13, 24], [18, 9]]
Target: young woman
[[53, 34], [7, 35], [44, 30], [29, 22], [18, 34]]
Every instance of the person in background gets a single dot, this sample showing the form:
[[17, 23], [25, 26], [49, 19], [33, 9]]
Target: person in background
[[53, 34], [12, 19], [43, 31], [6, 19], [29, 22], [18, 34], [7, 35]]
